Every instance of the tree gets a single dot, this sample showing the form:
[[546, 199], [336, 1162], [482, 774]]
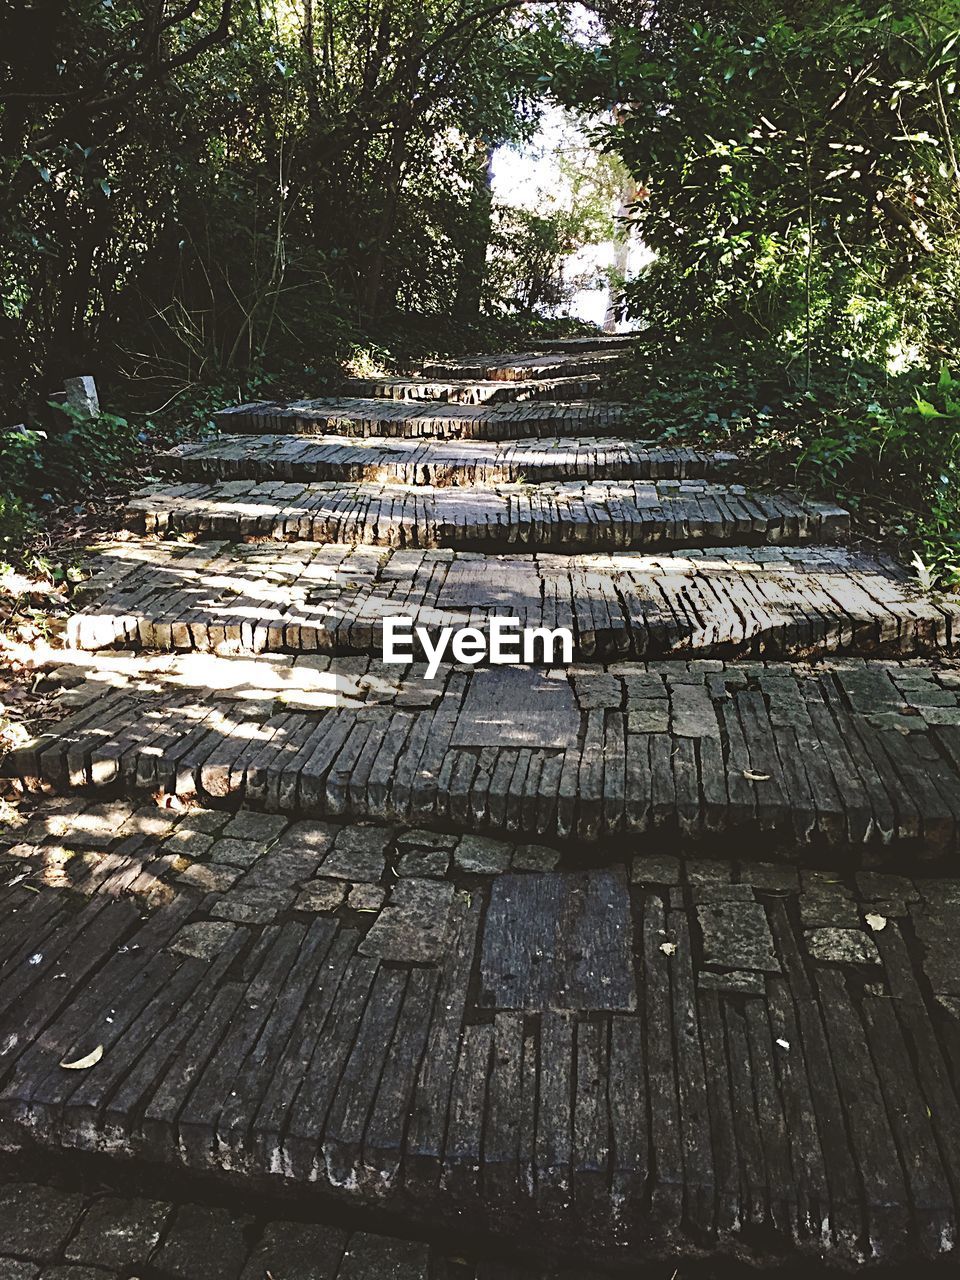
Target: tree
[[201, 189], [801, 163]]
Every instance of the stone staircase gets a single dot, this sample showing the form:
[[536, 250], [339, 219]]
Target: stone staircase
[[299, 528], [596, 957]]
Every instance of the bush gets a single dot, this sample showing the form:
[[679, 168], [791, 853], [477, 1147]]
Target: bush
[[91, 452], [39, 468], [887, 447]]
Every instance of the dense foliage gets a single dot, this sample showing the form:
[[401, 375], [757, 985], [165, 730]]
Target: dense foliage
[[798, 169], [223, 185]]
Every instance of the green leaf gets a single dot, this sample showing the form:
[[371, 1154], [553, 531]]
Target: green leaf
[[926, 409]]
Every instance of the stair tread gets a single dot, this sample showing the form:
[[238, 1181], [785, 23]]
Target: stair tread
[[599, 514], [478, 390], [389, 418], [289, 456], [254, 597], [523, 366], [842, 754]]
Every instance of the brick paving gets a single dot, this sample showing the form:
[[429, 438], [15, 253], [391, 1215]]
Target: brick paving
[[651, 1051], [49, 1233]]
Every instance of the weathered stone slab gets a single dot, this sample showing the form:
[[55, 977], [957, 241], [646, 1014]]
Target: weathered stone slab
[[842, 946], [517, 706], [378, 1258], [36, 1220], [250, 905], [203, 1244], [81, 395], [321, 895], [119, 1233], [296, 1252], [413, 926], [736, 935], [479, 855], [559, 941], [423, 862], [203, 940], [366, 897], [358, 853]]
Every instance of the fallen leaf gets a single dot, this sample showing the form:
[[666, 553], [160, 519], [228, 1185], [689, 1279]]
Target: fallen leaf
[[90, 1060], [756, 777], [668, 948], [875, 922]]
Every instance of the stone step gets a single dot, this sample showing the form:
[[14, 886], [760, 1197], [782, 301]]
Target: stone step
[[473, 391], [437, 462], [524, 366], [302, 597], [409, 418], [591, 342], [405, 1031], [600, 515], [861, 758]]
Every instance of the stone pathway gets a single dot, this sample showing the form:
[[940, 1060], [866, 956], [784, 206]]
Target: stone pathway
[[661, 1054], [645, 958]]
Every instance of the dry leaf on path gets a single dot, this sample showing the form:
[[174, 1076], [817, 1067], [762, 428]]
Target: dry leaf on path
[[81, 1064]]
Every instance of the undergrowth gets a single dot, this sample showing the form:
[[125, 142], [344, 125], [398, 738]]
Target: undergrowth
[[886, 447]]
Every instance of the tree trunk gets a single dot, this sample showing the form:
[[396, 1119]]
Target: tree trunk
[[621, 252], [373, 283], [473, 260]]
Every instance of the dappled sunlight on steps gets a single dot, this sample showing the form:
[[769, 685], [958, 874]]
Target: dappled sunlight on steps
[[860, 757], [513, 1005]]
